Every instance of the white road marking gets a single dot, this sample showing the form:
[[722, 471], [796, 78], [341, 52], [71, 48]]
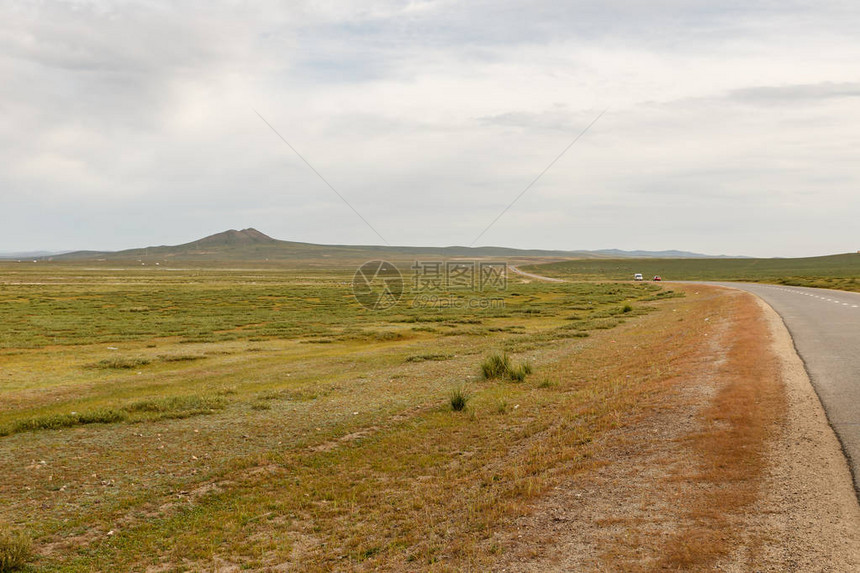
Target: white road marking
[[798, 290]]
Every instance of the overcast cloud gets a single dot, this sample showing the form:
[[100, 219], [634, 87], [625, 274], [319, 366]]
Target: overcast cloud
[[732, 127]]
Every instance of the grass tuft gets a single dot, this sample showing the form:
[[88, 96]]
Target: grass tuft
[[180, 357], [120, 363], [429, 357], [15, 550], [459, 398], [519, 373], [496, 366], [500, 366]]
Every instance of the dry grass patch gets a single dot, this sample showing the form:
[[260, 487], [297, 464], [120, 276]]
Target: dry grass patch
[[731, 446], [693, 399], [405, 484], [424, 491], [15, 550]]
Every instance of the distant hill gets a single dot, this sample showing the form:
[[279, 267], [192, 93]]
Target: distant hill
[[29, 254], [253, 245], [830, 271], [616, 253]]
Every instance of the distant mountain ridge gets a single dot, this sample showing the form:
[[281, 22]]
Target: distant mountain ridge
[[29, 254], [253, 245], [661, 254]]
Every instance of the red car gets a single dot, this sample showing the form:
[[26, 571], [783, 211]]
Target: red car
[[657, 278]]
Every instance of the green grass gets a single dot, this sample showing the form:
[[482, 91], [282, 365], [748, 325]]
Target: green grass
[[459, 398], [180, 357], [56, 421], [499, 366], [177, 406], [248, 419], [518, 373], [429, 356], [187, 406], [835, 271], [121, 363], [151, 409], [496, 366]]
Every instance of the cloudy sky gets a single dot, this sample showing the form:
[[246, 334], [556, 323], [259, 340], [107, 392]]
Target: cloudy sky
[[730, 126]]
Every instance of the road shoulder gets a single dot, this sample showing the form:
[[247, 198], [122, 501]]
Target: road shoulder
[[808, 516], [733, 468]]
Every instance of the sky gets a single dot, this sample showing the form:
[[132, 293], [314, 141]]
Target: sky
[[728, 127]]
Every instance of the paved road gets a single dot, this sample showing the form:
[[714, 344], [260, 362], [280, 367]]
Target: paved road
[[825, 326]]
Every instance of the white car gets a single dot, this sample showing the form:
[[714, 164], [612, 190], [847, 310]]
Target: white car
[[637, 277]]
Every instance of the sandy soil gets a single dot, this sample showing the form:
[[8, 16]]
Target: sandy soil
[[619, 517]]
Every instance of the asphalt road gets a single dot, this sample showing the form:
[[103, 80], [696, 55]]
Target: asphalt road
[[825, 326]]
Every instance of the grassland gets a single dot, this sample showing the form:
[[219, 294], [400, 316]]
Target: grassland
[[836, 271], [194, 419]]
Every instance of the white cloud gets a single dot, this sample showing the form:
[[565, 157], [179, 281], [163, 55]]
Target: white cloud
[[729, 125]]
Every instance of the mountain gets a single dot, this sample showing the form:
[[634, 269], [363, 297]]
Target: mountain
[[232, 238], [247, 244], [253, 245]]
